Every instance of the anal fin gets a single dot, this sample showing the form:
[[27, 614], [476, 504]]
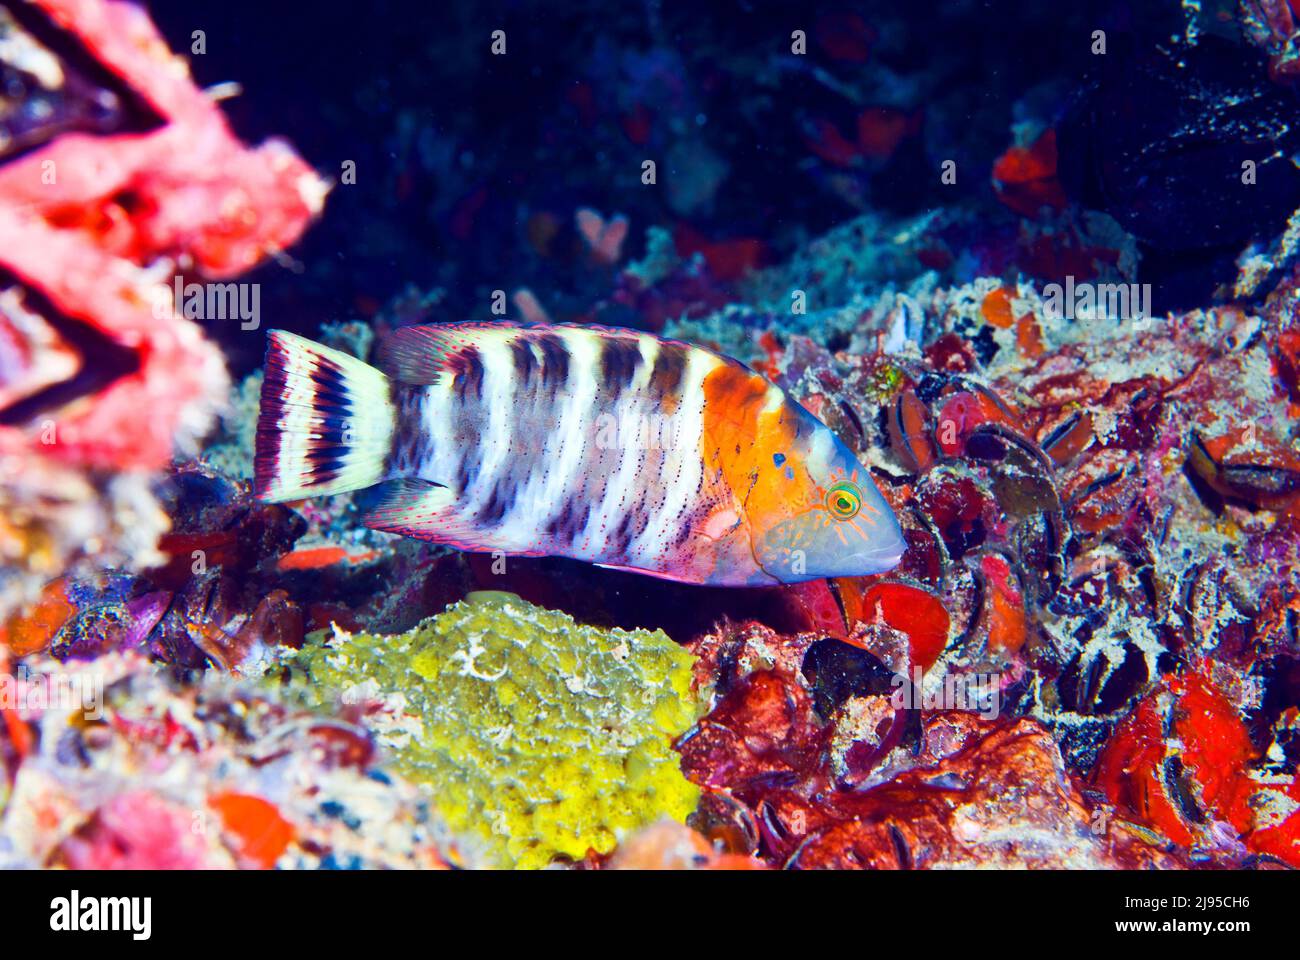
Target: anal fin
[[657, 574], [429, 511]]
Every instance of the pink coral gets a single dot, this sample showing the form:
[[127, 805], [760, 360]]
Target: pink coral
[[80, 218], [138, 831], [91, 227]]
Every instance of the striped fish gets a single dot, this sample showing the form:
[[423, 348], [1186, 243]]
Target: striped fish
[[610, 446]]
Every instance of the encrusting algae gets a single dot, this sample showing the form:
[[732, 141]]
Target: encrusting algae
[[544, 737]]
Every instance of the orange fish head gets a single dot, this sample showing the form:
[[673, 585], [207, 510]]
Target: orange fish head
[[822, 516]]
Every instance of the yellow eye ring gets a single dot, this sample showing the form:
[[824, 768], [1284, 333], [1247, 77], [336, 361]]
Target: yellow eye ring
[[844, 500]]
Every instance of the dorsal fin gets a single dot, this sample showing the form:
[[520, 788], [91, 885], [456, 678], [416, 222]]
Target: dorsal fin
[[421, 355]]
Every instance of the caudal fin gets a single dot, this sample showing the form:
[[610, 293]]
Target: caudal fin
[[326, 422]]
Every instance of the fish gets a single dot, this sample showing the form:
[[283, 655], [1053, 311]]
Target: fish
[[610, 446]]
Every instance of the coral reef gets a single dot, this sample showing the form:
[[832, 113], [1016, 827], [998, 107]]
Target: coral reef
[[111, 764], [546, 737]]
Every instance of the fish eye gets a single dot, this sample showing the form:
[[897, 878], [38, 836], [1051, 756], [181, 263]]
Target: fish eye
[[844, 500]]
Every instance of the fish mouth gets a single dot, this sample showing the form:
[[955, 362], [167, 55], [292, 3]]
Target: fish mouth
[[862, 563], [879, 559]]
